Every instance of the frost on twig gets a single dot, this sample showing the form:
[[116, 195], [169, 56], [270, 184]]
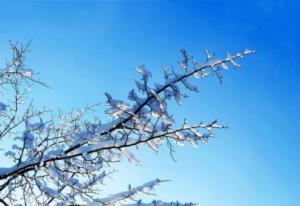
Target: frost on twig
[[64, 159]]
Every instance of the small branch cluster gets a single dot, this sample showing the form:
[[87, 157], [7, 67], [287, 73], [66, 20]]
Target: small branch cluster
[[63, 160]]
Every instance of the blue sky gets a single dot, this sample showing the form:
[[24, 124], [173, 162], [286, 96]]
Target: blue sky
[[85, 48]]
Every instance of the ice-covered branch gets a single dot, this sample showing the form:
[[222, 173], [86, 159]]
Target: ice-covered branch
[[63, 159], [129, 194], [155, 102]]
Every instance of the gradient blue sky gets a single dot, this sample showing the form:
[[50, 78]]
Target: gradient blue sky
[[83, 49]]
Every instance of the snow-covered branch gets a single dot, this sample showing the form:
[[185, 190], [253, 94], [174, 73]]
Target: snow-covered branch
[[63, 159], [129, 194]]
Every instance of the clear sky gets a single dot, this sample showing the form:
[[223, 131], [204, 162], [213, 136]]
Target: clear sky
[[85, 48]]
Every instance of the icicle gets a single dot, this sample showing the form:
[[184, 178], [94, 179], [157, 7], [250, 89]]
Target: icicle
[[224, 66], [204, 73], [141, 69], [209, 55], [189, 86], [130, 156], [152, 144], [236, 65], [247, 51]]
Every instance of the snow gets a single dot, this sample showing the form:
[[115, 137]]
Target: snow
[[141, 86], [234, 63], [27, 72], [190, 86], [49, 191], [248, 51], [2, 107], [28, 140], [38, 126], [153, 145], [209, 55], [130, 156], [141, 69], [224, 66], [145, 188], [7, 170], [10, 154], [134, 97]]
